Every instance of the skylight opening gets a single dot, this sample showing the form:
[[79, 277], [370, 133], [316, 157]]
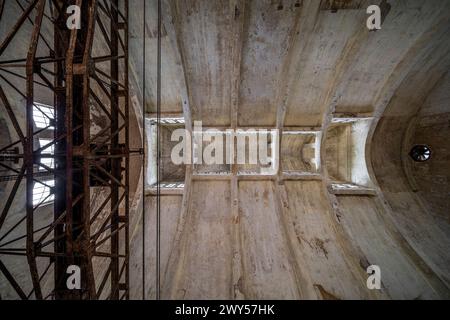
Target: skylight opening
[[49, 162], [42, 194], [43, 115], [174, 185], [168, 121]]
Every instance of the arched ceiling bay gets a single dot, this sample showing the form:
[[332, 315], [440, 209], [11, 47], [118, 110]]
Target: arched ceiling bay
[[297, 56], [172, 82]]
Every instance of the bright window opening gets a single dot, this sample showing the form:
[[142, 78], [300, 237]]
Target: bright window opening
[[42, 193], [174, 185], [42, 115], [49, 162]]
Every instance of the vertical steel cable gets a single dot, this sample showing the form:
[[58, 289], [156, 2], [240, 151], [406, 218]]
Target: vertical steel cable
[[158, 197], [143, 148]]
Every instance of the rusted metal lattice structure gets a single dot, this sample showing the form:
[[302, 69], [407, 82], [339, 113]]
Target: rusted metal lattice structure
[[85, 72]]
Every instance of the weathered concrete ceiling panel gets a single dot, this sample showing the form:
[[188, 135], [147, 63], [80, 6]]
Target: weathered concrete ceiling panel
[[204, 44], [266, 42], [377, 59], [171, 69], [318, 63]]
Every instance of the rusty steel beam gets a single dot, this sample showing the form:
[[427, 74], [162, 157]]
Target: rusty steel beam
[[116, 163], [28, 150], [80, 159], [17, 26], [13, 282]]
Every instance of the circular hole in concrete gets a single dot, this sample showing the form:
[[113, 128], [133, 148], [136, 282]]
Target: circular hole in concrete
[[420, 153]]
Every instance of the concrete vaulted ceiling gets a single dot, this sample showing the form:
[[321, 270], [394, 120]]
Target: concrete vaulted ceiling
[[297, 64], [291, 54]]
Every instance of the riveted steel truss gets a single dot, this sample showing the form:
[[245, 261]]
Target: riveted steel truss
[[83, 75]]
